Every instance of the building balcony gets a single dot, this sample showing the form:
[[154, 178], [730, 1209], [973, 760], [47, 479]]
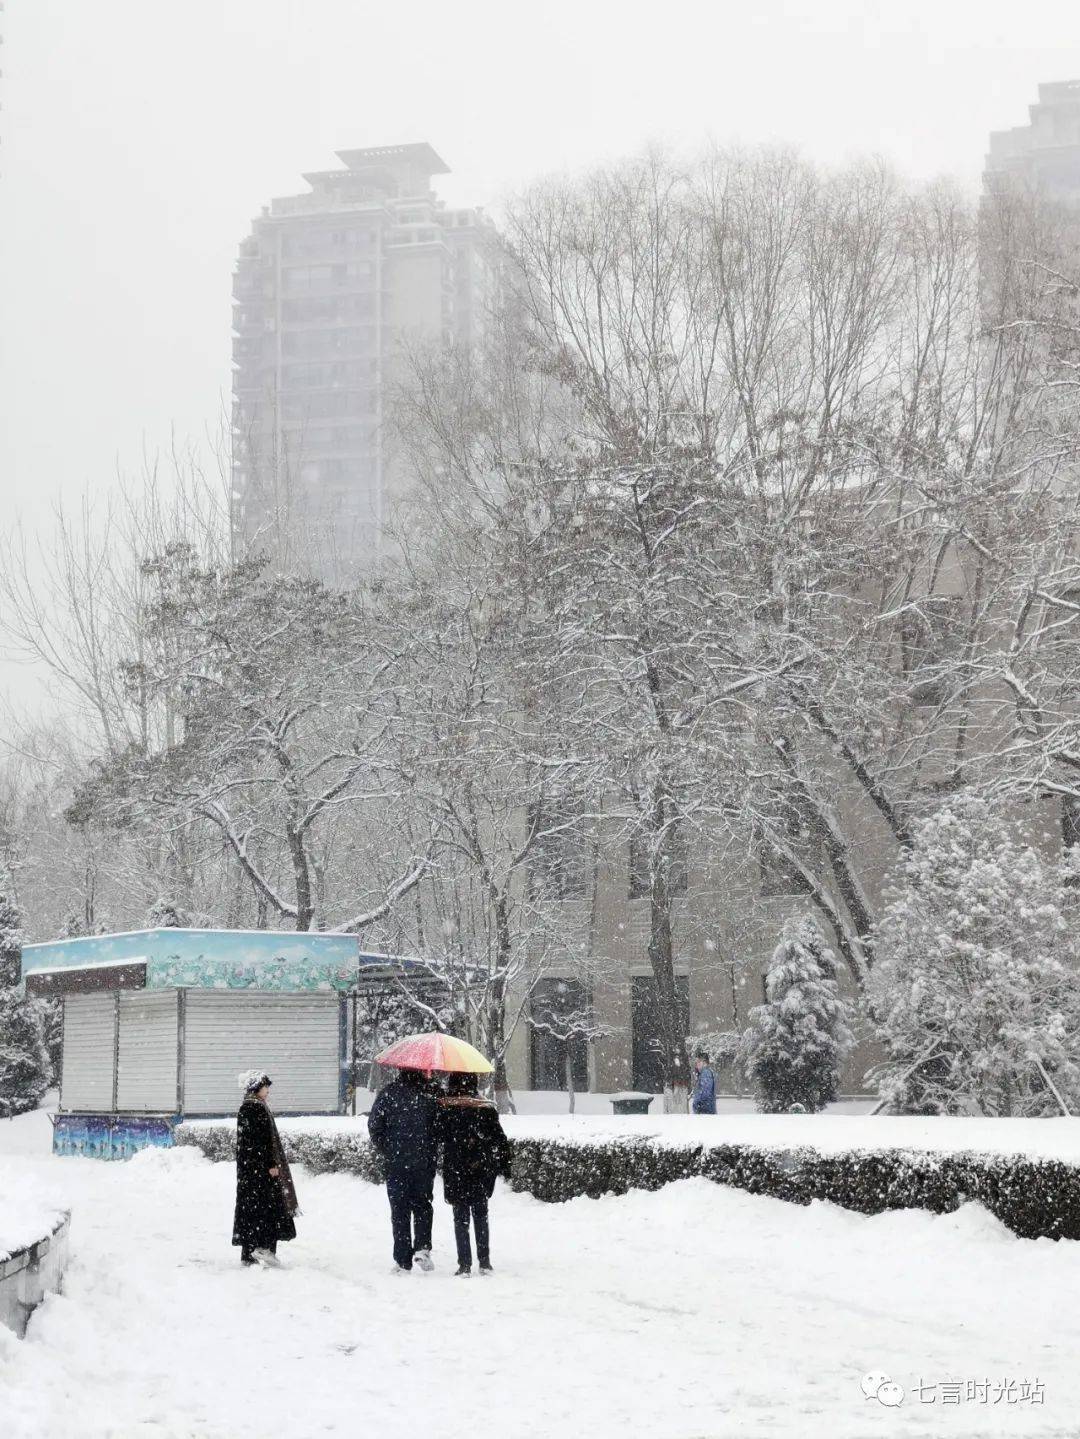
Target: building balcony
[[249, 291]]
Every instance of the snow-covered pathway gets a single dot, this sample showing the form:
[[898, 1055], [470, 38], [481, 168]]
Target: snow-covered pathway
[[697, 1311]]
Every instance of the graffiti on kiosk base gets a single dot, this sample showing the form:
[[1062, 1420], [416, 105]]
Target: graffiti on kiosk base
[[109, 1136]]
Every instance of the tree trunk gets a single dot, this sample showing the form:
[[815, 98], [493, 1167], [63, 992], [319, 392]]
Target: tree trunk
[[496, 1008], [834, 842], [503, 1098], [305, 904], [1070, 821], [676, 1067]]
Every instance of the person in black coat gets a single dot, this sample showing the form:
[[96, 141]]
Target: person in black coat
[[475, 1152], [265, 1197], [402, 1129]]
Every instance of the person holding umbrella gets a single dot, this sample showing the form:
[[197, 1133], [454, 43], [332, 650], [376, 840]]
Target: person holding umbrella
[[402, 1129], [265, 1196], [475, 1151], [402, 1125]]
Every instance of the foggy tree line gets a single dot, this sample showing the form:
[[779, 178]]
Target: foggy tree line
[[745, 539]]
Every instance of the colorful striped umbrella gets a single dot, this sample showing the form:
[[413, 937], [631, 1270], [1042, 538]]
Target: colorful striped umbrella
[[435, 1051]]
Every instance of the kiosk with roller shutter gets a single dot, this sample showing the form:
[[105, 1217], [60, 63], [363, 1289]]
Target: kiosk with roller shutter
[[158, 1023]]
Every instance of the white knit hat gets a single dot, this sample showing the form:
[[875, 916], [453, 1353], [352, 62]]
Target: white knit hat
[[252, 1079]]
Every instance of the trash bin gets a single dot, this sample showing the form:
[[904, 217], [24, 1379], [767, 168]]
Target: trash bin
[[631, 1103]]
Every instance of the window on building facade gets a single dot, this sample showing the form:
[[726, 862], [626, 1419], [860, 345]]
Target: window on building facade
[[676, 856], [559, 1015], [645, 1029], [330, 309], [320, 439], [326, 404], [561, 860], [335, 375], [337, 340]]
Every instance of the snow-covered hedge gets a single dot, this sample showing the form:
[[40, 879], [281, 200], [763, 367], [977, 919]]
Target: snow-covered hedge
[[322, 1151], [1035, 1196]]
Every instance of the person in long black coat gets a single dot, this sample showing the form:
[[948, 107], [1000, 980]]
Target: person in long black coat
[[475, 1152], [265, 1198], [402, 1128]]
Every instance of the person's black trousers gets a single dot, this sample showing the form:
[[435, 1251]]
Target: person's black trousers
[[411, 1214], [479, 1211]]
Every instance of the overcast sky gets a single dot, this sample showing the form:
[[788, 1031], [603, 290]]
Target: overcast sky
[[141, 136]]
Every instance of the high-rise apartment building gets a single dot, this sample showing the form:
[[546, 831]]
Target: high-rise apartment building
[[1044, 155], [328, 287]]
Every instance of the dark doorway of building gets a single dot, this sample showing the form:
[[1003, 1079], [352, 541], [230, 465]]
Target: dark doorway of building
[[560, 1014], [645, 1018]]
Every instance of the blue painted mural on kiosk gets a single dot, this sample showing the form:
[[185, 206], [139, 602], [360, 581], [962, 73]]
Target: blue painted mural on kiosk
[[211, 958], [110, 1136]]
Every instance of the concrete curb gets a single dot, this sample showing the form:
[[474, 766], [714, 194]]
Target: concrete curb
[[32, 1272]]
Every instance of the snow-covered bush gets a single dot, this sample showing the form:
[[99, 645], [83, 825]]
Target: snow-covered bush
[[165, 915], [1035, 1198], [24, 1063], [974, 989], [723, 1046], [343, 1153], [794, 1048]]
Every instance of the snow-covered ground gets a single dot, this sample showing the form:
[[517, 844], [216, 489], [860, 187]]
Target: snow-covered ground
[[697, 1312]]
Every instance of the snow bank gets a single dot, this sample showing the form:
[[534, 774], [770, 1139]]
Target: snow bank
[[28, 1212], [30, 1206]]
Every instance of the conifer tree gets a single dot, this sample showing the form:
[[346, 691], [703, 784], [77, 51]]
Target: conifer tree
[[24, 1063], [795, 1045]]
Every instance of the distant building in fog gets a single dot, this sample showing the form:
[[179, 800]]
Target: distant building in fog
[[1043, 155], [327, 286]]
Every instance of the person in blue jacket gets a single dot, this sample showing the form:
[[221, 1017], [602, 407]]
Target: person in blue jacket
[[703, 1098]]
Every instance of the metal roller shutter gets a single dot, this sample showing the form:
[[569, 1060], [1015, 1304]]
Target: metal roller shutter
[[89, 1038], [146, 1073], [294, 1037]]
